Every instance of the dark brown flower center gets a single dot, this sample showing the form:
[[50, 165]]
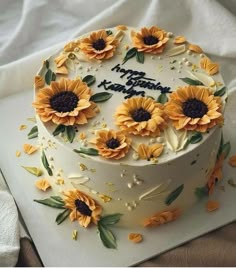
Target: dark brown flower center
[[65, 101], [194, 108], [150, 40], [140, 115], [113, 143], [99, 44], [83, 208]]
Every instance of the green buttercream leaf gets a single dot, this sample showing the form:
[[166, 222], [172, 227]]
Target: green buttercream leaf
[[162, 98], [89, 80], [33, 133], [101, 97], [107, 237], [130, 54], [50, 203], [50, 76], [220, 92], [110, 219], [59, 129], [62, 216], [46, 164], [70, 133], [57, 198], [225, 149], [34, 170], [195, 138], [173, 195], [109, 32], [190, 81], [200, 192], [88, 151], [140, 57], [47, 64]]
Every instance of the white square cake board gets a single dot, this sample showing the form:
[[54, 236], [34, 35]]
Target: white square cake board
[[54, 243]]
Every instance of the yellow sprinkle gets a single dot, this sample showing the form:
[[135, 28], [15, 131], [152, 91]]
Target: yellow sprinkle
[[60, 181], [219, 84], [18, 153], [22, 127], [93, 170], [109, 183], [105, 198], [82, 135], [126, 47], [82, 167], [154, 160], [74, 234], [32, 119], [104, 125]]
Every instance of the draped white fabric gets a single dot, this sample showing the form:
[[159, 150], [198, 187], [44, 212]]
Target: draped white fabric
[[30, 30]]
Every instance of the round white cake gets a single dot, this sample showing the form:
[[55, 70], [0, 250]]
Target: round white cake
[[130, 119]]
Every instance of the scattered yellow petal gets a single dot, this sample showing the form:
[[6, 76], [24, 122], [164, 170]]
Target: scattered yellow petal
[[135, 237], [18, 153], [121, 27], [60, 181], [74, 234], [109, 184], [232, 161], [210, 67], [105, 198], [32, 119], [212, 205], [38, 81], [82, 167], [195, 48], [22, 127], [29, 148], [82, 135], [42, 184], [61, 70], [179, 39], [34, 170]]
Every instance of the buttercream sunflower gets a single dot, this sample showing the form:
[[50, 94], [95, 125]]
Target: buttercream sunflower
[[150, 40], [65, 102], [194, 108], [112, 144], [83, 208], [141, 116], [99, 45]]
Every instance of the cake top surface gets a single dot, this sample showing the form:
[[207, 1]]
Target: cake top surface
[[133, 96]]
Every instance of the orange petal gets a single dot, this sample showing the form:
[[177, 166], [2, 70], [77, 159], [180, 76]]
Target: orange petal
[[232, 161], [195, 48], [179, 39], [135, 237], [212, 205]]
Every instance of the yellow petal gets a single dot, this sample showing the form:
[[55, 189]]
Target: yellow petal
[[42, 184], [212, 205], [18, 153], [179, 39], [38, 81], [135, 237], [105, 198], [29, 148], [121, 27], [195, 48], [34, 170]]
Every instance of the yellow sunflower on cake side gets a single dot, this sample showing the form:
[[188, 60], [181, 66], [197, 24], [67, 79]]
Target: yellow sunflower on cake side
[[65, 102], [141, 116], [194, 108], [83, 208], [150, 40], [162, 218], [112, 144], [99, 45]]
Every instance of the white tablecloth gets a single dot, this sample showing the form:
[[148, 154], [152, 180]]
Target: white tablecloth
[[30, 30]]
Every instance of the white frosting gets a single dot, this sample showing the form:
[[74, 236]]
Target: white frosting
[[138, 188]]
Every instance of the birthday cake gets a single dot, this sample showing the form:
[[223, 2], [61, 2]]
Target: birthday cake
[[129, 125]]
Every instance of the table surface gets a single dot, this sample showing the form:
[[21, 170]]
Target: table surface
[[50, 238]]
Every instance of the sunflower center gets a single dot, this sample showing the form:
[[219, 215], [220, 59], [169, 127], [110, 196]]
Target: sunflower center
[[99, 44], [112, 143], [150, 40], [83, 208], [140, 115], [194, 108], [65, 101]]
